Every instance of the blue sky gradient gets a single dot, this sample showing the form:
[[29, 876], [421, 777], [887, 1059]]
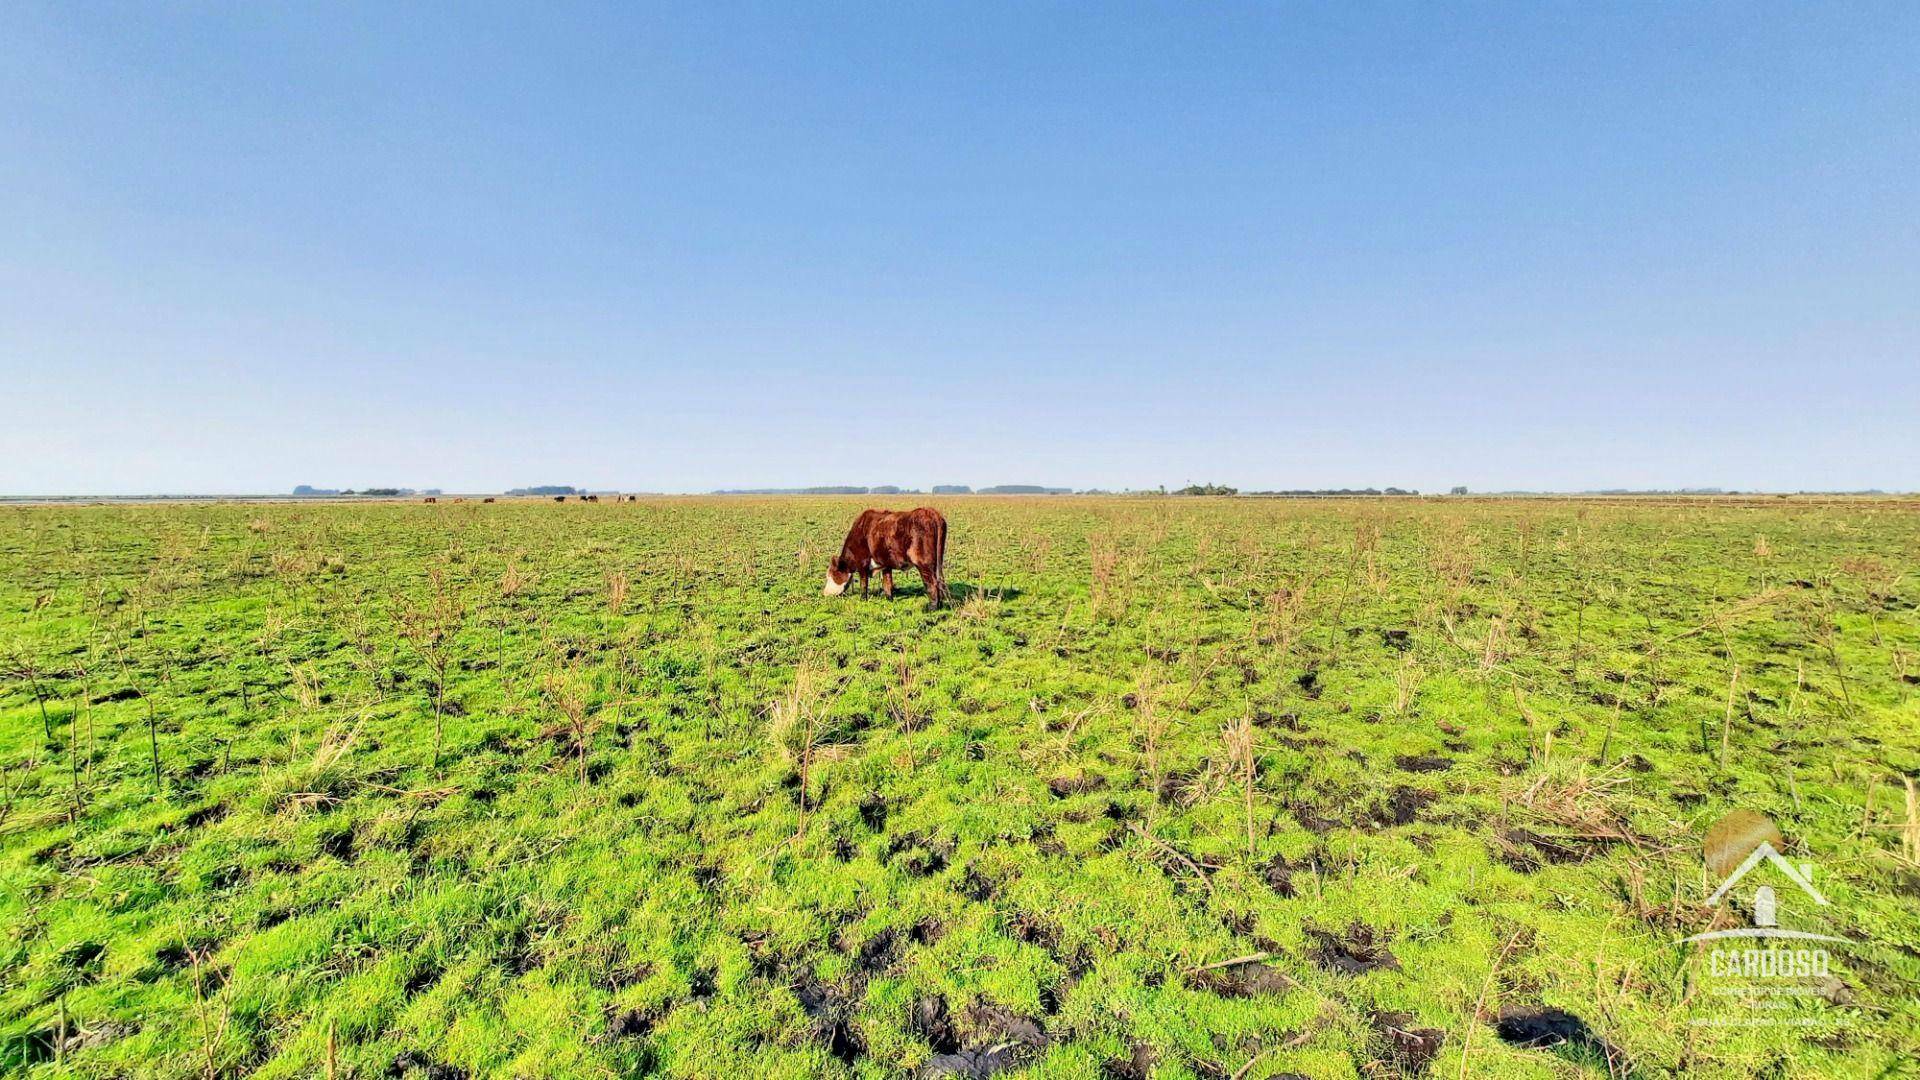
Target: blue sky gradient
[[1507, 246]]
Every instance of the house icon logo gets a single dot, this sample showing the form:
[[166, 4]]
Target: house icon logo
[[1764, 871], [1762, 974]]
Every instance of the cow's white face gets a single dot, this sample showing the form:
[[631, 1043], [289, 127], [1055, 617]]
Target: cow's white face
[[839, 575]]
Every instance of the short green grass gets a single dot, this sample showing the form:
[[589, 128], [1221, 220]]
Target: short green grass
[[524, 789]]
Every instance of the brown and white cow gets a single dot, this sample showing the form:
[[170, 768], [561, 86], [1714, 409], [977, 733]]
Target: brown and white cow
[[888, 540]]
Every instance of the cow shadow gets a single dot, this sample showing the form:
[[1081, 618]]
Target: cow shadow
[[959, 592]]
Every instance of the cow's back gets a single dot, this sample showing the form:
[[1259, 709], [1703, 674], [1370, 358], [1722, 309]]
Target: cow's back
[[895, 540]]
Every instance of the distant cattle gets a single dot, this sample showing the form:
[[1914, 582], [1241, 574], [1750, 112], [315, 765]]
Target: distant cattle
[[430, 499], [488, 499], [559, 498], [887, 540]]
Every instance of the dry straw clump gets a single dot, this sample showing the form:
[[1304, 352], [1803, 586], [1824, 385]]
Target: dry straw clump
[[322, 780], [796, 724]]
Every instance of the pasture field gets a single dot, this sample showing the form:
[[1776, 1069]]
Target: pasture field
[[524, 789]]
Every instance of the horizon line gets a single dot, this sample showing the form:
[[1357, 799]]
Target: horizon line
[[1060, 491]]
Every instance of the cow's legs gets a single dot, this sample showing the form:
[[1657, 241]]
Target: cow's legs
[[931, 578], [886, 582], [866, 575]]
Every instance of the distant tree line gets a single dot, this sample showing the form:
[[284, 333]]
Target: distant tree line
[[891, 489], [1208, 489], [829, 489], [308, 491], [1661, 491], [1323, 492]]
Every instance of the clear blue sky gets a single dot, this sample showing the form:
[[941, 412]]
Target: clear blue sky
[[245, 246]]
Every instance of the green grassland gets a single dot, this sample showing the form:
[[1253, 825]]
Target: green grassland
[[524, 789]]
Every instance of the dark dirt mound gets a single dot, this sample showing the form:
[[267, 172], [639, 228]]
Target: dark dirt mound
[[1354, 954], [1279, 873], [1136, 1066], [1000, 1025], [338, 844], [831, 1014], [1035, 929], [1309, 683], [1053, 996], [630, 1024], [999, 1040], [1540, 1029], [1263, 718], [1526, 851], [1243, 980], [1178, 785], [1311, 819], [412, 1063], [977, 886], [878, 952], [81, 960], [204, 815], [1408, 1050], [1423, 763], [930, 1021], [701, 985], [973, 1063], [1400, 640], [1063, 786], [171, 957], [916, 857], [423, 977], [1402, 806]]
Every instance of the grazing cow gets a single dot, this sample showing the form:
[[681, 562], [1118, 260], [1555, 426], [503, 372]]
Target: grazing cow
[[887, 540], [431, 499], [559, 498], [488, 499]]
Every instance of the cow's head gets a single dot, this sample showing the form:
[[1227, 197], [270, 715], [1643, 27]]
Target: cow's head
[[839, 572]]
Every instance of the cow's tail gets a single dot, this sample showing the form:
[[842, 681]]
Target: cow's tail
[[940, 565]]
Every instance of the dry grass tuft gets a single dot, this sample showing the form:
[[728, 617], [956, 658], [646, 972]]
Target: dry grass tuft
[[322, 780]]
